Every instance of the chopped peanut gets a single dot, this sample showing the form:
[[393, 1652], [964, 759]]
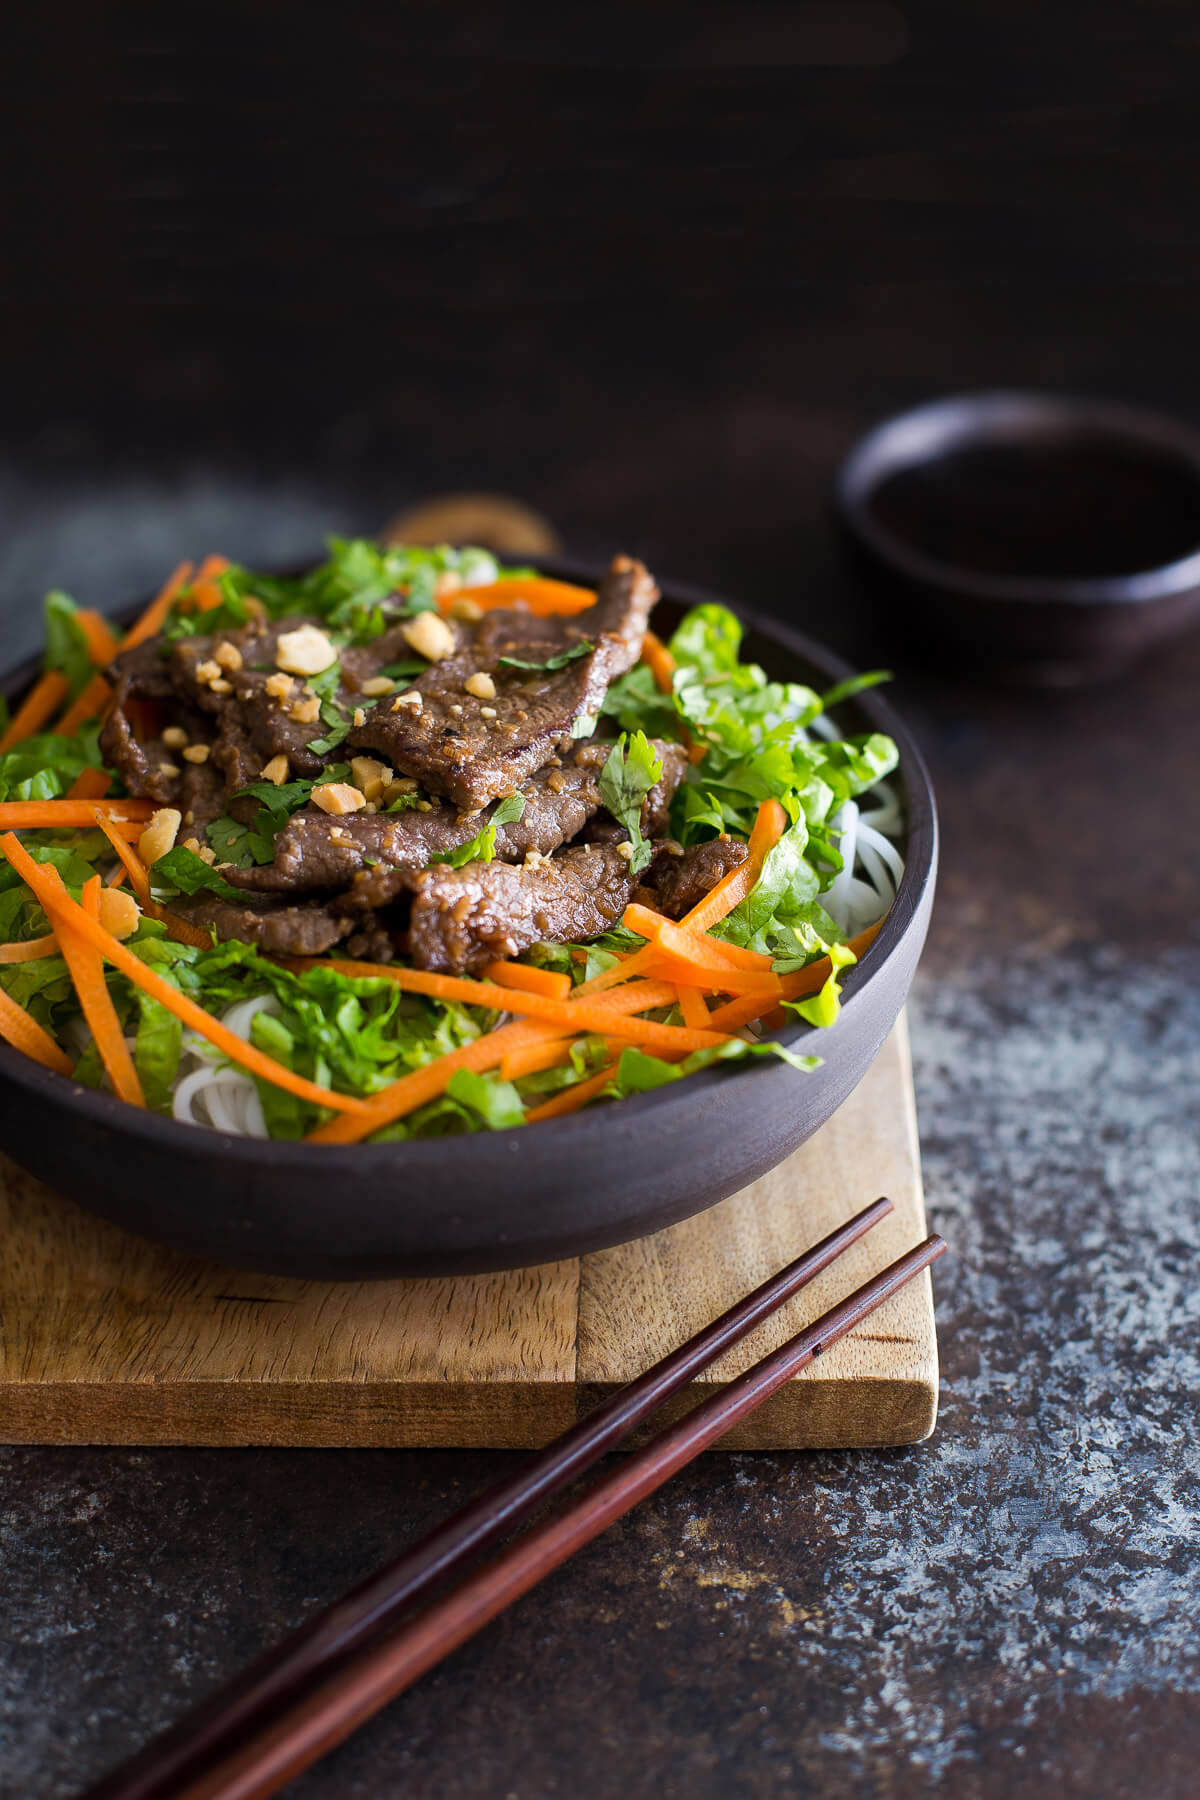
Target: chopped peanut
[[119, 912], [174, 737], [276, 770], [208, 671], [221, 686], [481, 685], [448, 582], [403, 784], [228, 655], [169, 769], [377, 684], [359, 718], [429, 636], [467, 610], [625, 851], [306, 712], [487, 712], [370, 775], [159, 835], [338, 797], [411, 701], [278, 686], [196, 753], [305, 651]]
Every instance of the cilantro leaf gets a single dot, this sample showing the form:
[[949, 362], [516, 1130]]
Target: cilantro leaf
[[584, 725], [632, 769], [66, 646], [181, 871], [482, 847], [552, 662]]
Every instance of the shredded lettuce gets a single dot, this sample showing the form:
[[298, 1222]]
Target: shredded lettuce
[[482, 847], [632, 768]]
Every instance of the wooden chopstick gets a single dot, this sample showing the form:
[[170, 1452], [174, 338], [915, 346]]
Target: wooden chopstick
[[320, 1717], [228, 1716]]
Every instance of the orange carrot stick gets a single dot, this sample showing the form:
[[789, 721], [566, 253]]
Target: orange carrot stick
[[742, 1011], [155, 615], [182, 930], [733, 888], [659, 661], [534, 1058], [684, 940], [89, 703], [24, 1033], [529, 980], [57, 904], [102, 641], [536, 593], [692, 1006], [572, 1098], [89, 784], [40, 704], [87, 973], [68, 815]]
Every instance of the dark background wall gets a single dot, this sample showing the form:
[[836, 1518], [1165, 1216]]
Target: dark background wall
[[651, 267]]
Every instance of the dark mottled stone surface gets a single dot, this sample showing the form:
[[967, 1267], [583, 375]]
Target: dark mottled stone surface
[[1009, 1609]]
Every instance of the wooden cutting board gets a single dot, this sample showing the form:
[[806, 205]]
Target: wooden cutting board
[[106, 1339]]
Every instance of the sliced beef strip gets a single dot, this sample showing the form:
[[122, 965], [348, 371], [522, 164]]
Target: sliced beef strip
[[252, 725], [674, 883], [316, 851], [472, 757], [463, 918], [143, 764], [306, 929]]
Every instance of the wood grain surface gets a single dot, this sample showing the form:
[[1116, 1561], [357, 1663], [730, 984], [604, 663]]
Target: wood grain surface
[[107, 1339]]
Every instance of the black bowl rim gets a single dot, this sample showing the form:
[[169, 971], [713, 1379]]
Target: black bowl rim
[[922, 433], [474, 1152]]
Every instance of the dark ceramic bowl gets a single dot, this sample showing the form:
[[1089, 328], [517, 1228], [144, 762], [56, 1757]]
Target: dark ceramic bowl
[[1041, 538], [496, 1200]]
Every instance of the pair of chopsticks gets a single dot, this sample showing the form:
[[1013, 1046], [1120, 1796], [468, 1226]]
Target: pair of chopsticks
[[298, 1701]]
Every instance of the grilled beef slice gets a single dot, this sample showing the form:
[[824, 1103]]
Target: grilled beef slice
[[456, 748], [463, 918], [674, 883], [306, 929]]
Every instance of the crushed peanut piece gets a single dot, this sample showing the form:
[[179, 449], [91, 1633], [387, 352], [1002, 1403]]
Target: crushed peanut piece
[[377, 684], [159, 835], [196, 753], [448, 582], [360, 717], [174, 737], [305, 651], [338, 797], [277, 770], [412, 699], [481, 685], [189, 817], [119, 912], [221, 686], [626, 851], [456, 710], [370, 775], [208, 671], [429, 636], [467, 610], [535, 860], [487, 712], [278, 686], [305, 712], [404, 784], [169, 769], [228, 655]]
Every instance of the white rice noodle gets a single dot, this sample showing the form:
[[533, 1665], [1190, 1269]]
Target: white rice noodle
[[215, 1093], [866, 885]]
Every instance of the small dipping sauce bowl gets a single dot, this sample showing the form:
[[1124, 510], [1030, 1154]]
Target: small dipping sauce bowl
[[1045, 539]]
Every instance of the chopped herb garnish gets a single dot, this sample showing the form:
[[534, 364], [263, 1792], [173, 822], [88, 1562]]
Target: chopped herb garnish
[[631, 771], [552, 662]]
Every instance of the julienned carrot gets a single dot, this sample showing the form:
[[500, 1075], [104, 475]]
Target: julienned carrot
[[636, 963], [205, 592], [58, 905], [102, 641], [535, 1057], [68, 815], [89, 703], [155, 615], [684, 940], [24, 1033], [39, 705], [732, 889], [659, 661], [572, 1014], [89, 784], [536, 593], [742, 1011], [31, 951], [182, 930], [87, 973], [692, 1006], [529, 980], [570, 1099]]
